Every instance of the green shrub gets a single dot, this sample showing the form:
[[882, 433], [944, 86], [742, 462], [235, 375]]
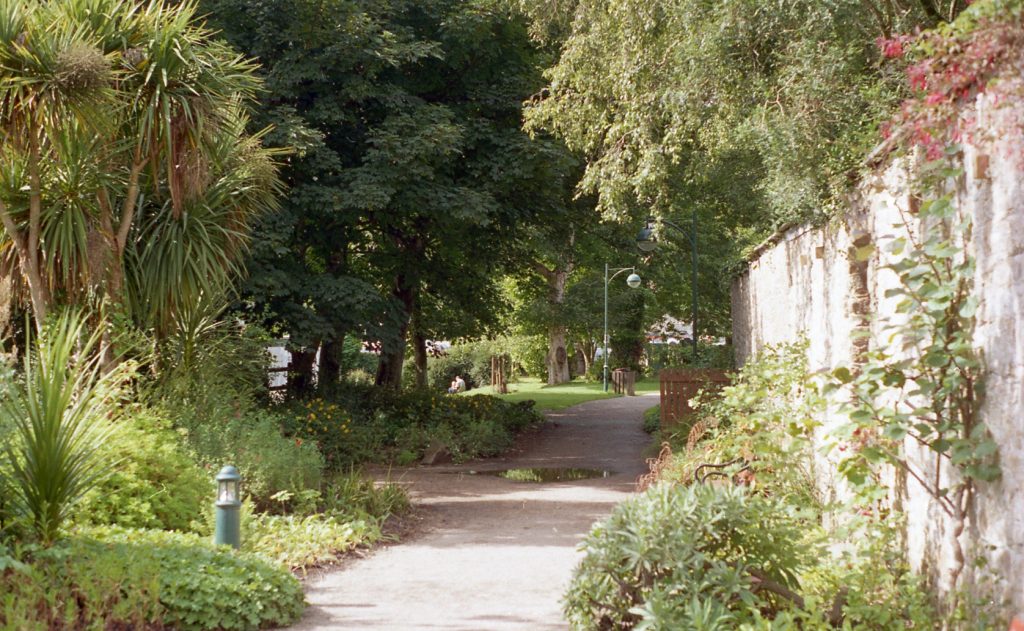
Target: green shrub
[[686, 558], [210, 367], [364, 424], [210, 382], [353, 494], [270, 463], [530, 352], [472, 360], [765, 418], [652, 419], [155, 483], [881, 592], [325, 423], [114, 578], [305, 541], [681, 356]]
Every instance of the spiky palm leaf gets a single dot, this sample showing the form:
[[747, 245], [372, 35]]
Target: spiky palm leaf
[[140, 138], [60, 411]]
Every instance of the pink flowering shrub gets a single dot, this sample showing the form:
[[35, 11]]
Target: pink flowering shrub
[[948, 67]]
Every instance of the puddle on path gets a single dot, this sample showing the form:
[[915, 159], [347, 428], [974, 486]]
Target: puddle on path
[[544, 474]]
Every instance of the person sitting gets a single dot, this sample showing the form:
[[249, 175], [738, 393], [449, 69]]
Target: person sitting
[[457, 385]]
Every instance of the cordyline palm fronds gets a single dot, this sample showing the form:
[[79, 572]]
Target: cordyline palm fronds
[[60, 412], [125, 165]]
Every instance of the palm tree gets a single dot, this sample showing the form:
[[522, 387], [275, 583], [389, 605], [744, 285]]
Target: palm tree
[[126, 171]]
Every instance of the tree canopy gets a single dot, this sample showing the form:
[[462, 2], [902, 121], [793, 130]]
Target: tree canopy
[[413, 183], [754, 110]]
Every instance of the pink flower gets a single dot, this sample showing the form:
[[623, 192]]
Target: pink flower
[[917, 75], [892, 48]]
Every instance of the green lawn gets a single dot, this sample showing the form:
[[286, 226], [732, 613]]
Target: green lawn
[[560, 396]]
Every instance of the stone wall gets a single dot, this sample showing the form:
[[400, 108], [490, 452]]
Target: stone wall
[[807, 281]]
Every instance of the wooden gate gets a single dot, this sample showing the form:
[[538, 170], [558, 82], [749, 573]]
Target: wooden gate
[[681, 385]]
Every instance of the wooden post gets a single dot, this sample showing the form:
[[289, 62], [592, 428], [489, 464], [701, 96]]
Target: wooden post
[[498, 381]]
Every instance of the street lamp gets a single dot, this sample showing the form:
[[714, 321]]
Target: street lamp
[[227, 530], [647, 243], [633, 280]]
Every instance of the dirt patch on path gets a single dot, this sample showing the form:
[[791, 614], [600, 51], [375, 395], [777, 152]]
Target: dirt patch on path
[[493, 554]]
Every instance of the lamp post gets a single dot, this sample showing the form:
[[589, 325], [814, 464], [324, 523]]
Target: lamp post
[[633, 280], [646, 242], [228, 529]]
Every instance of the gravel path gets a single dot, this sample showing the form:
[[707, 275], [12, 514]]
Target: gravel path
[[493, 554]]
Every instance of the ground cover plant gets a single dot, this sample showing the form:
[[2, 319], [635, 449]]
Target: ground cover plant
[[145, 579], [320, 528]]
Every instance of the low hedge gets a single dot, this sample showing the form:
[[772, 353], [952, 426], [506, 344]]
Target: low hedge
[[365, 424]]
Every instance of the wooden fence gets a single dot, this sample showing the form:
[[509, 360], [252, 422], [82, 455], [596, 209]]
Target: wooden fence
[[679, 386]]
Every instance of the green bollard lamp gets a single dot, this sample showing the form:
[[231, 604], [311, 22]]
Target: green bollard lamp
[[228, 529]]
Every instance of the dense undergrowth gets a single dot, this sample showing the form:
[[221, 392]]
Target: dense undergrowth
[[361, 423], [143, 579], [751, 545], [130, 546]]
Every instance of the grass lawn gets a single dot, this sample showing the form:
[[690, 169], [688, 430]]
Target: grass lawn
[[561, 396]]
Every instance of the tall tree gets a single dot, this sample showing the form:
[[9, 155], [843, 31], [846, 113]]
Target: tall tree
[[726, 109], [413, 179]]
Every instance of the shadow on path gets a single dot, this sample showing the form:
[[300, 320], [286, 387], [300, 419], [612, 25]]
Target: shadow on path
[[496, 554]]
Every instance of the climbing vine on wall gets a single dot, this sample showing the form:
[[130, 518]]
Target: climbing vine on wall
[[918, 388]]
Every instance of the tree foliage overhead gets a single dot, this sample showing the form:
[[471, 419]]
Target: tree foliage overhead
[[759, 109]]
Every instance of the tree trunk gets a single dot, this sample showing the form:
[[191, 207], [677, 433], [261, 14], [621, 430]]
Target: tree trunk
[[419, 345], [419, 349], [330, 362], [300, 372], [389, 370], [582, 358], [558, 358]]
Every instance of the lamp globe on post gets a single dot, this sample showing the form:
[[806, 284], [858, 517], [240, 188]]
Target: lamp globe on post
[[229, 503], [633, 281], [645, 239]]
